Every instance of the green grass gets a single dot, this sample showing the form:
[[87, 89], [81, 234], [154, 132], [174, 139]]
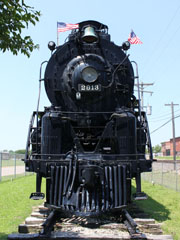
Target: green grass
[[164, 206], [13, 177], [169, 179], [166, 158], [15, 204]]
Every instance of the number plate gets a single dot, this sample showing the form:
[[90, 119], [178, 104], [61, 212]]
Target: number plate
[[89, 88]]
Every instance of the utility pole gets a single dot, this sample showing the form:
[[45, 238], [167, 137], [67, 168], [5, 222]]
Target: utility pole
[[173, 132], [141, 88]]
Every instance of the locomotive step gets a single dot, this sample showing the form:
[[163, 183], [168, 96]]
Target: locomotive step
[[37, 196]]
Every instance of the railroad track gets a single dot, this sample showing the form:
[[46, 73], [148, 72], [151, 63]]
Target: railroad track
[[75, 228]]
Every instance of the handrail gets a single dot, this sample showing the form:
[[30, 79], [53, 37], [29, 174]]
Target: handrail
[[29, 135], [137, 77]]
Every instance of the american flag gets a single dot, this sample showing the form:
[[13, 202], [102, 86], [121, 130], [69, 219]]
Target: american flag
[[133, 39], [62, 27]]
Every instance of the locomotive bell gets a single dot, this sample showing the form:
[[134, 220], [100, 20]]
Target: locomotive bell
[[89, 35]]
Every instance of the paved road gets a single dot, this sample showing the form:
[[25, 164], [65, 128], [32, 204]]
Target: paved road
[[6, 171]]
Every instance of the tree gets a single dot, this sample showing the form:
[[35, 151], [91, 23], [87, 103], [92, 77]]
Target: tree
[[157, 148], [11, 151], [20, 151], [15, 15]]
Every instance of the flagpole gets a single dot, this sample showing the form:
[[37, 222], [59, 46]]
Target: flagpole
[[57, 36]]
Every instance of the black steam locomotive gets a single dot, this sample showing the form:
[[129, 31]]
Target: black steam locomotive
[[92, 140]]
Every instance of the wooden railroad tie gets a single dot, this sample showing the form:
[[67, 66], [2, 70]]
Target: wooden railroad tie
[[91, 228]]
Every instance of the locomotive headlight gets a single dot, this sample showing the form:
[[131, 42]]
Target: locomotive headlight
[[89, 74]]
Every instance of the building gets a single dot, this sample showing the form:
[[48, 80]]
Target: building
[[167, 147]]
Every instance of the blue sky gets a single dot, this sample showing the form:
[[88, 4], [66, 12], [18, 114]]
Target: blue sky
[[156, 23]]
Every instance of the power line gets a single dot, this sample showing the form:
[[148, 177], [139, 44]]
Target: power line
[[161, 126], [159, 41], [164, 115], [161, 118], [164, 124]]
